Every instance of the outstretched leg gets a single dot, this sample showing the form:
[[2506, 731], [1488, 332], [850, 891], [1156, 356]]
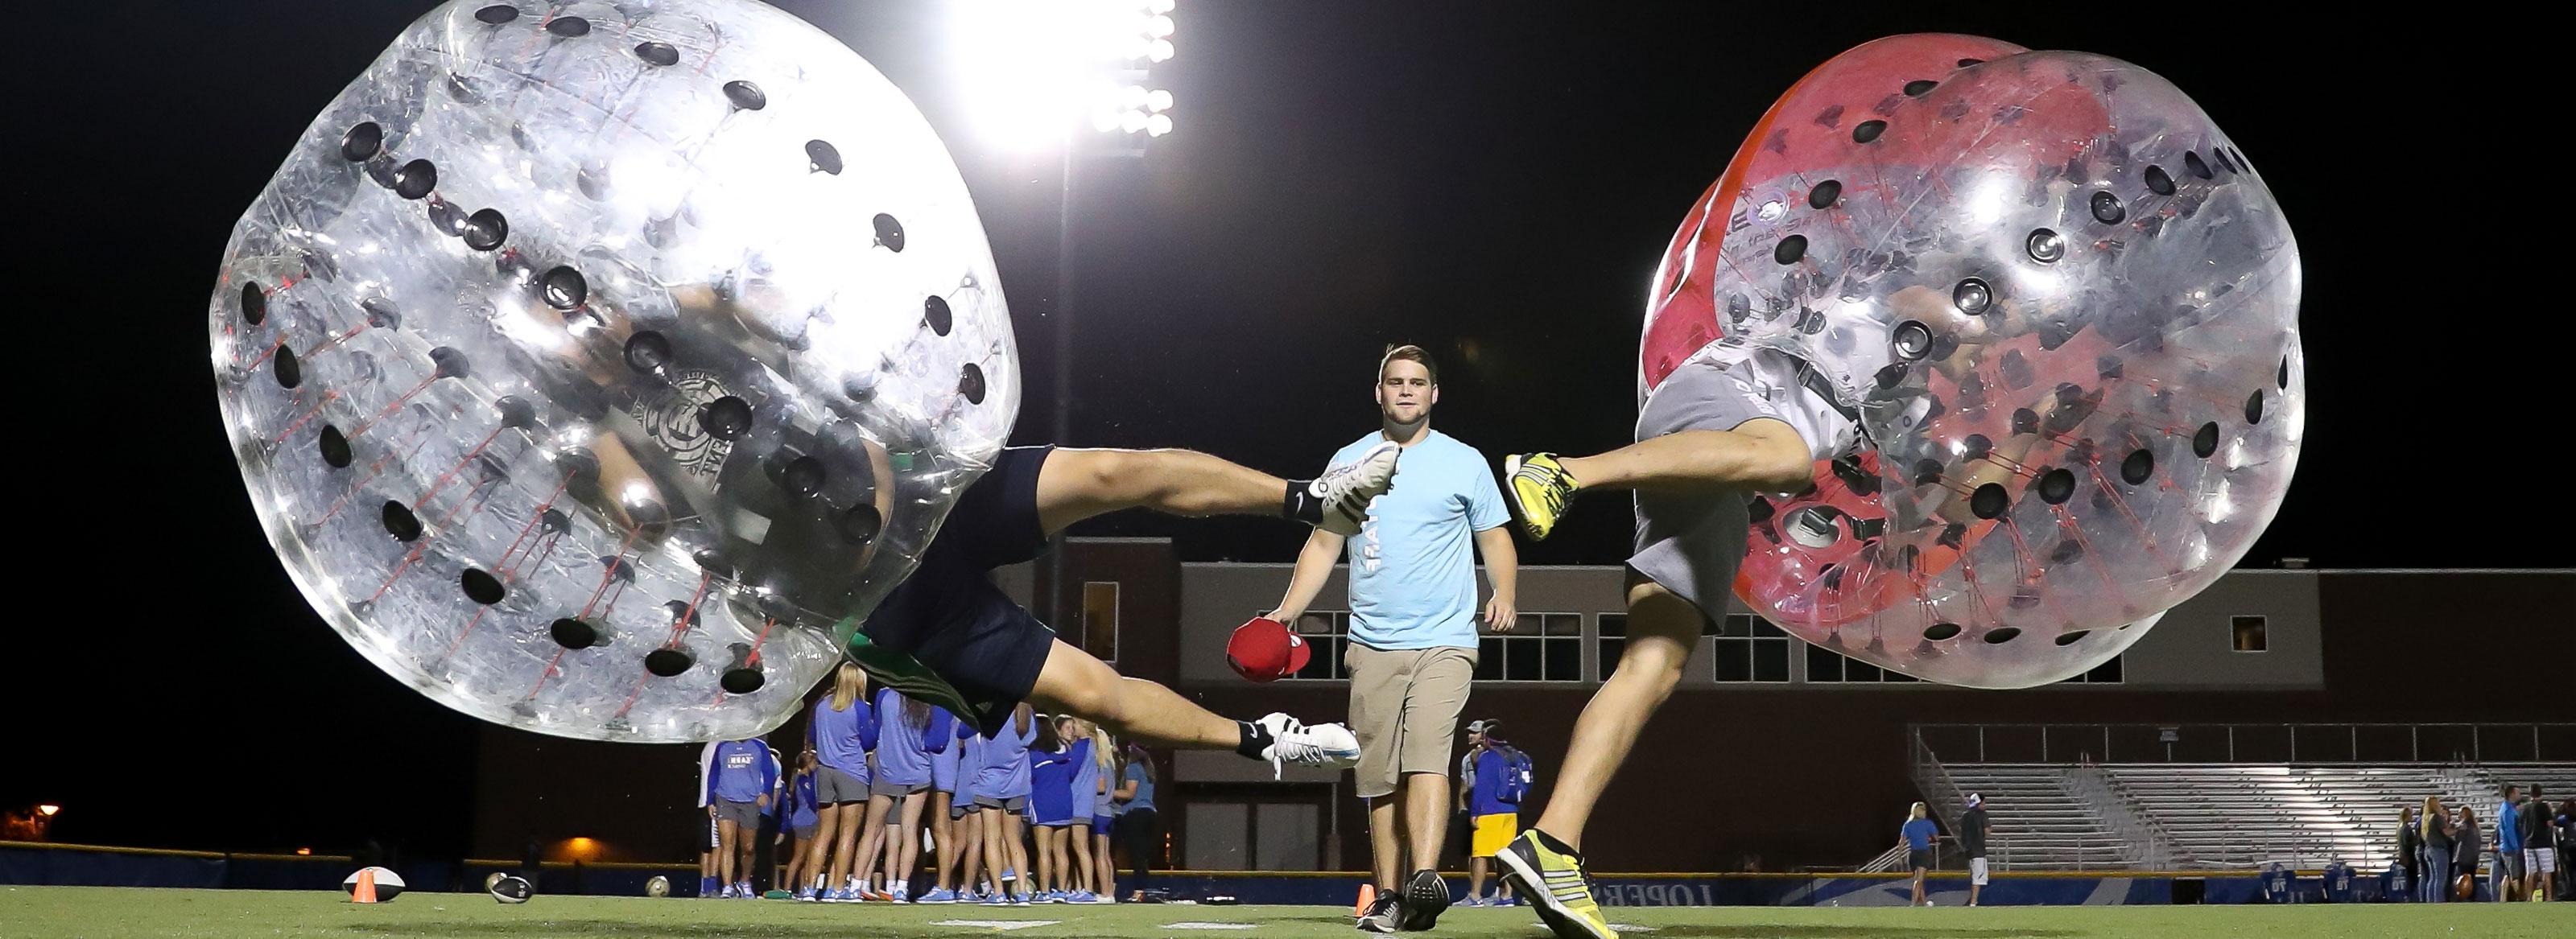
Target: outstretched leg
[[1758, 455], [1077, 484], [1662, 630]]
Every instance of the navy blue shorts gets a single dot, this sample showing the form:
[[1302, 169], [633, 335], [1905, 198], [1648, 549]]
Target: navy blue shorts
[[949, 615]]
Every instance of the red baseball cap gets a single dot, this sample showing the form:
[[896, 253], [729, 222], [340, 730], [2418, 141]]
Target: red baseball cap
[[1265, 650]]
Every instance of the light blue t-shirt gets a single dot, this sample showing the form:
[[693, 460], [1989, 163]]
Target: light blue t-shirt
[[1413, 564]]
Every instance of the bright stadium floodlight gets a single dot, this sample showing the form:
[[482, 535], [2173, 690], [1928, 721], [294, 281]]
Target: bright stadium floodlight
[[48, 810], [1034, 70]]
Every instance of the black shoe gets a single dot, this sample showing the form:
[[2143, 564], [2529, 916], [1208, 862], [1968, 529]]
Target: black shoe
[[1426, 896], [1381, 914]]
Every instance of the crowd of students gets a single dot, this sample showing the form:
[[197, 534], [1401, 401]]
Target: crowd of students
[[891, 793], [2441, 850]]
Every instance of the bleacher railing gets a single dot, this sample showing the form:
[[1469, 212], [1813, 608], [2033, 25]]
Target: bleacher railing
[[2243, 743]]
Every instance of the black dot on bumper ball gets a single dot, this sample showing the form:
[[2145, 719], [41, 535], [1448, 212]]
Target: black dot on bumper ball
[[970, 382], [335, 447], [1823, 196], [1966, 63], [362, 141], [1940, 631], [726, 417], [451, 362], [2284, 380], [1972, 296], [2056, 485], [482, 587], [2068, 639], [2198, 167], [2254, 408], [860, 524], [803, 476], [446, 217], [1912, 339], [573, 634], [823, 157], [497, 14], [647, 351], [2140, 465], [2107, 208], [889, 232], [2159, 182], [289, 373], [1867, 131], [400, 523], [2003, 634], [1990, 500], [667, 663], [2045, 246], [743, 680], [745, 95], [564, 288], [1790, 249], [1927, 471], [1920, 87], [254, 304], [657, 53], [2223, 161], [415, 179], [516, 412], [568, 26], [2205, 442], [935, 312], [486, 229]]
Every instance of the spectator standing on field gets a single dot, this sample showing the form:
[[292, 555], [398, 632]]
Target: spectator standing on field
[[2410, 851], [1972, 842], [2509, 831], [2539, 848], [2467, 843], [1493, 777], [1916, 836], [2433, 834]]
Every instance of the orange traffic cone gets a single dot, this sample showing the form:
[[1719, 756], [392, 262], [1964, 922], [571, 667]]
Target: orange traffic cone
[[1368, 895], [366, 892]]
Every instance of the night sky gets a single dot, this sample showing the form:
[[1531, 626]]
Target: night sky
[[1493, 181]]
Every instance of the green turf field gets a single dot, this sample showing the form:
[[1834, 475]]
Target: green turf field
[[114, 913]]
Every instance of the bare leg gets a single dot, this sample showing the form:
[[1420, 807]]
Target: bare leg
[[728, 835], [1762, 453], [944, 831], [1426, 798], [1104, 855], [970, 852], [903, 843], [845, 854], [1475, 878], [1132, 708], [1017, 848], [1386, 851], [1662, 630], [1080, 841], [1078, 484], [871, 840]]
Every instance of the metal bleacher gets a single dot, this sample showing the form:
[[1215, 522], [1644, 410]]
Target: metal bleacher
[[2074, 813]]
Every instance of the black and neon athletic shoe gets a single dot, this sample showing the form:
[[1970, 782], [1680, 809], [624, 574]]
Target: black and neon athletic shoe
[[1426, 896], [1381, 914], [1550, 876], [1539, 488]]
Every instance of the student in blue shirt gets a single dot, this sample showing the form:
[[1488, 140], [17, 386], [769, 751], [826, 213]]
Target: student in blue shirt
[[1413, 628], [1080, 797], [1051, 810], [1001, 794], [944, 811], [910, 736], [1140, 828], [1104, 808], [802, 820], [1917, 838], [739, 777], [842, 729]]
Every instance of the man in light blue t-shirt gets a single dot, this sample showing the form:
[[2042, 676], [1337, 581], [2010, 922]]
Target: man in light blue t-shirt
[[1413, 627]]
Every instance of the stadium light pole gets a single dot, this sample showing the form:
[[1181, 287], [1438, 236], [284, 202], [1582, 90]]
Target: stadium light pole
[[1073, 74]]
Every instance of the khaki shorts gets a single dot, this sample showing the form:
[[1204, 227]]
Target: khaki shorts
[[1404, 709]]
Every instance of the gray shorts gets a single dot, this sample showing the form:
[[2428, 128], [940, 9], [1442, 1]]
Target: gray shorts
[[1012, 804], [2508, 865], [1691, 543], [745, 815], [833, 787], [960, 808], [895, 790]]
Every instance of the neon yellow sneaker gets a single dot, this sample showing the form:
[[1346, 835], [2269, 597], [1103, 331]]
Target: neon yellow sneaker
[[1553, 881], [1539, 488]]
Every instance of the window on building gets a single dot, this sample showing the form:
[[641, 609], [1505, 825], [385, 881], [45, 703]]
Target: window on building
[[1328, 631], [1540, 647], [1100, 619], [2250, 636], [1747, 649], [2107, 673], [1826, 666], [1613, 628]]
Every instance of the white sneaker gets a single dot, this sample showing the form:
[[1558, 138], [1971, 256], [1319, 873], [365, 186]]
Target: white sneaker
[[1326, 745], [1347, 492]]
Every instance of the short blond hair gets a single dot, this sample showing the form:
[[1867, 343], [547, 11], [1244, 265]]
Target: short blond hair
[[1409, 353]]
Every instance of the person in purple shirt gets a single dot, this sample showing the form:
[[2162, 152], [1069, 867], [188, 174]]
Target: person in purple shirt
[[943, 812], [1051, 808], [842, 730], [739, 777], [802, 819], [911, 734], [1001, 789], [1083, 796]]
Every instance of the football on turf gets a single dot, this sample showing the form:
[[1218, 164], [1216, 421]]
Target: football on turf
[[512, 888], [388, 884], [659, 886]]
